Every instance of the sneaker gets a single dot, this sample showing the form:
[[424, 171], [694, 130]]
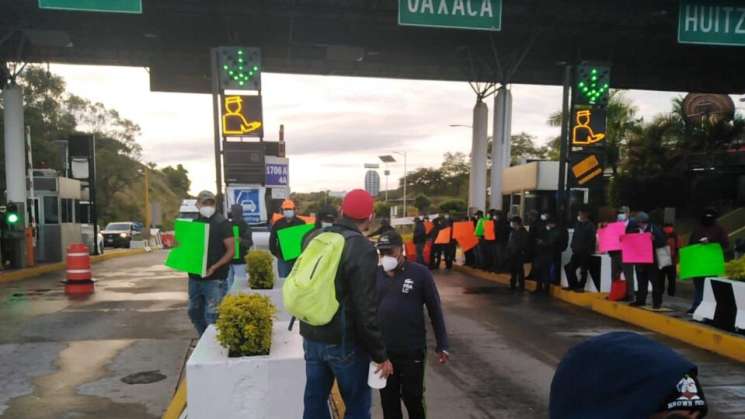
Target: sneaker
[[690, 311], [656, 307]]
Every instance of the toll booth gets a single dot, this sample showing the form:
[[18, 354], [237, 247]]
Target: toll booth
[[534, 186], [55, 206]]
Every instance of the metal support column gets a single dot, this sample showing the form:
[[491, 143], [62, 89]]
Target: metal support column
[[563, 195], [477, 178], [15, 155], [216, 119], [502, 134]]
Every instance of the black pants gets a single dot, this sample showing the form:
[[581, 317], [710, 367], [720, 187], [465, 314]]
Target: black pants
[[407, 384], [436, 256], [617, 267], [449, 252], [644, 275], [669, 275], [517, 273], [581, 262]]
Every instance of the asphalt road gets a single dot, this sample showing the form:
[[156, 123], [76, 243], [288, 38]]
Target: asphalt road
[[505, 348], [116, 354]]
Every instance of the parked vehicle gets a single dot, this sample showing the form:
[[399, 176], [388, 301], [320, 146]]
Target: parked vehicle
[[188, 210], [86, 231], [121, 234]]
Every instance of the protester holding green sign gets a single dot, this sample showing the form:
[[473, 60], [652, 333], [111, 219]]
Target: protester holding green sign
[[698, 262], [289, 219]]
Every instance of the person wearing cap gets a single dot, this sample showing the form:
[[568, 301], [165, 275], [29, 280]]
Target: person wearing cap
[[343, 348], [325, 218], [594, 381], [206, 292], [244, 241], [583, 246], [404, 289], [708, 231], [616, 259], [289, 219], [649, 272], [517, 252], [546, 243]]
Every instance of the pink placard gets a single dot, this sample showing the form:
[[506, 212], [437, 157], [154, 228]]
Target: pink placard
[[609, 237], [637, 248]]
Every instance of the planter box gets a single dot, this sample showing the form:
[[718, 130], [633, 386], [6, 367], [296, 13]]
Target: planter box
[[258, 387]]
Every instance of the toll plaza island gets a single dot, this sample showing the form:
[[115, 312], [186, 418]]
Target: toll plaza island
[[547, 272]]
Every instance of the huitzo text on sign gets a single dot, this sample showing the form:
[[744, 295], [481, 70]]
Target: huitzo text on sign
[[711, 22], [457, 14]]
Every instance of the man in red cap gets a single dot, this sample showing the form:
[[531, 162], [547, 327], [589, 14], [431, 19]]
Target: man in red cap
[[342, 349]]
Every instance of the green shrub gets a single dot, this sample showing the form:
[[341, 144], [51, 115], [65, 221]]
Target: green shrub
[[260, 267], [244, 324], [454, 206], [735, 269]]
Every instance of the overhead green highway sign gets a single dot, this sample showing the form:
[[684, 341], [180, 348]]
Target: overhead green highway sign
[[485, 15], [107, 6], [711, 22]]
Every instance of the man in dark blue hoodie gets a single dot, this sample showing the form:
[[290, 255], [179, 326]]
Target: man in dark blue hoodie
[[404, 289], [594, 381]]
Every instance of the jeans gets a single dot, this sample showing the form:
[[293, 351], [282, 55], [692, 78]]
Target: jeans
[[419, 253], [284, 268], [349, 365], [406, 384], [698, 292], [204, 298], [237, 273]]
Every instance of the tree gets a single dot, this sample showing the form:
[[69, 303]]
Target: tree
[[454, 206], [422, 202], [178, 179]]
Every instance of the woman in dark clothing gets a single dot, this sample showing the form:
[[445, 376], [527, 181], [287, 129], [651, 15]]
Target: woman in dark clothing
[[708, 231]]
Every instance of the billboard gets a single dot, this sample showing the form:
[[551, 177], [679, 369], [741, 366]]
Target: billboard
[[252, 199]]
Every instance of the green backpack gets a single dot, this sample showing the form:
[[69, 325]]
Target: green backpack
[[309, 291]]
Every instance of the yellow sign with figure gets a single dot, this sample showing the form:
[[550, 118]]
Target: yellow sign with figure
[[588, 127], [242, 116]]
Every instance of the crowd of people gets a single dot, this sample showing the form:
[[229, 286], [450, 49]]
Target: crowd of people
[[375, 286]]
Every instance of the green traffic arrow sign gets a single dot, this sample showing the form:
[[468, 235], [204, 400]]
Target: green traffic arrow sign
[[110, 6]]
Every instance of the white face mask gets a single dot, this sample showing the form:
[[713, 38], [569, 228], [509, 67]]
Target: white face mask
[[622, 217], [544, 217], [289, 214], [325, 225], [389, 263], [579, 218], [207, 212]]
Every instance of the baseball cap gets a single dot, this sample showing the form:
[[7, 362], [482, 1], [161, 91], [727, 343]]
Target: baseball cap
[[205, 196], [357, 205], [642, 217], [287, 204], [390, 240], [594, 379], [328, 214]]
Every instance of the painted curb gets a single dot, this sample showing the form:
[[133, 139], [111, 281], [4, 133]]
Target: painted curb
[[694, 334], [178, 404], [60, 266]]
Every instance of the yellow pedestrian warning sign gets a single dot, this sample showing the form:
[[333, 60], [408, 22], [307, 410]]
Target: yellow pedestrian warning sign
[[589, 127], [587, 169], [242, 116]]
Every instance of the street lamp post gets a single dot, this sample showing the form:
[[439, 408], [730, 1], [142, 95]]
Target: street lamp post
[[390, 159]]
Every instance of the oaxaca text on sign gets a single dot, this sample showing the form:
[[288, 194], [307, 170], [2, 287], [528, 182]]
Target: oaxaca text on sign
[[711, 22], [459, 14]]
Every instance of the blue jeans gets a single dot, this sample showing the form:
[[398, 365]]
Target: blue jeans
[[323, 363], [237, 273], [204, 298], [284, 268]]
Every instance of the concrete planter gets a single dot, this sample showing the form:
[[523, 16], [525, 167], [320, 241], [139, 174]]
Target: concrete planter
[[257, 387]]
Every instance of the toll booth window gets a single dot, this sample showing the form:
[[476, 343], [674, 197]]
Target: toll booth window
[[51, 210], [67, 211]]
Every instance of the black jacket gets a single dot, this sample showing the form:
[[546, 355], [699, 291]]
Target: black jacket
[[246, 241], [547, 244], [279, 225], [357, 293], [420, 232], [519, 243], [583, 240], [502, 230]]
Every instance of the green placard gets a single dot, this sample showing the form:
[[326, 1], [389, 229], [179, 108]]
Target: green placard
[[485, 15], [190, 253], [701, 260], [237, 237], [480, 228], [107, 6], [711, 22], [291, 240]]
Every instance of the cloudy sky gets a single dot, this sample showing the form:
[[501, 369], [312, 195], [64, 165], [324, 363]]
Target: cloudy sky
[[333, 125]]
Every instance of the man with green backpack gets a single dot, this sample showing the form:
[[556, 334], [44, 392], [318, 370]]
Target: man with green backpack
[[332, 291]]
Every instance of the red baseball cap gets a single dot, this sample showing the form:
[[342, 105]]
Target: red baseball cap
[[357, 205]]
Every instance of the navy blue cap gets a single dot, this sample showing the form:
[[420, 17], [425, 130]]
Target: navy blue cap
[[618, 375]]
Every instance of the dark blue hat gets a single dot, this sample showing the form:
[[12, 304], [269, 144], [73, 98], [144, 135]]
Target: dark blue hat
[[618, 375]]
